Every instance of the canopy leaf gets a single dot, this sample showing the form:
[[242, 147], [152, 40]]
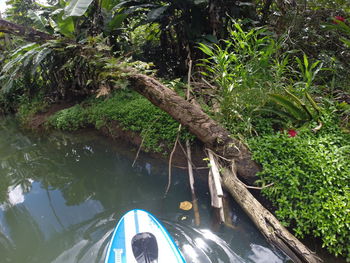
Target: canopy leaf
[[76, 8]]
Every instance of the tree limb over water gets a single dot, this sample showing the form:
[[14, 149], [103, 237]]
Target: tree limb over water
[[214, 136]]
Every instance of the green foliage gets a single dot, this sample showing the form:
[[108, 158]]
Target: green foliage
[[70, 119], [29, 107], [55, 69], [245, 69], [18, 11], [311, 176], [130, 110], [76, 8], [294, 109], [329, 5], [342, 27], [182, 24], [308, 72]]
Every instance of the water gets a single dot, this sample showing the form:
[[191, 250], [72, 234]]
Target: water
[[62, 194]]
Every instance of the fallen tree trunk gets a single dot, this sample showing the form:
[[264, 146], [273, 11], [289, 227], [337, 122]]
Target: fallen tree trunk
[[213, 135], [218, 139], [265, 221]]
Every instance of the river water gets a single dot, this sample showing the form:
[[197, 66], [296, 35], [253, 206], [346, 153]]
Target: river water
[[62, 194]]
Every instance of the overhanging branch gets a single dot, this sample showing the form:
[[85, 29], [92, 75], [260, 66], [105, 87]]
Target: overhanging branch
[[27, 33]]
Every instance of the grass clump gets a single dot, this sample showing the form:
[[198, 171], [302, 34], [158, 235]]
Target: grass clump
[[311, 176], [132, 111]]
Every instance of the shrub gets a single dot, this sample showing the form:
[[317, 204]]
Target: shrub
[[311, 176], [130, 110], [245, 68], [69, 119]]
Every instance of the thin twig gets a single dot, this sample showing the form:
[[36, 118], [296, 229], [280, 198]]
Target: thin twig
[[170, 160], [257, 188], [196, 168], [217, 155], [185, 153], [143, 138], [188, 93], [138, 152], [189, 158]]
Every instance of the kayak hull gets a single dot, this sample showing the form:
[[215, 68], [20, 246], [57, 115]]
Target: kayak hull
[[134, 223]]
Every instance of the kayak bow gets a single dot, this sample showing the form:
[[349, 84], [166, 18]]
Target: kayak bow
[[140, 238]]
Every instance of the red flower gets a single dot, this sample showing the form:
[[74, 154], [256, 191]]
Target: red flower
[[292, 133], [336, 19]]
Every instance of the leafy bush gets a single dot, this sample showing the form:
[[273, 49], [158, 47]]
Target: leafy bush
[[245, 68], [311, 176], [70, 119], [130, 110]]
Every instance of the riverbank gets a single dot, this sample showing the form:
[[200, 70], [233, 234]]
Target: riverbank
[[84, 115]]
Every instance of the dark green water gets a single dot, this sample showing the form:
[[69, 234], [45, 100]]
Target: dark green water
[[62, 194]]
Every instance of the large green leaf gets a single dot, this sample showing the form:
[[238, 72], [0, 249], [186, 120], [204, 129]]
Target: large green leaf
[[109, 4], [23, 49], [156, 14], [64, 26], [76, 8], [116, 22], [40, 21], [286, 103]]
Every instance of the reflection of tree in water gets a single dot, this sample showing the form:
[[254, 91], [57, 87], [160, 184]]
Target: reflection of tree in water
[[94, 235], [68, 163], [6, 248], [26, 235], [25, 159], [17, 155]]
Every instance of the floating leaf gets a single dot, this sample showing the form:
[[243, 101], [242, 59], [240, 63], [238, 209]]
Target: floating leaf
[[185, 205]]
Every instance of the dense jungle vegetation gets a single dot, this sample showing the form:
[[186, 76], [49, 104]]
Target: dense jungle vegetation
[[275, 73]]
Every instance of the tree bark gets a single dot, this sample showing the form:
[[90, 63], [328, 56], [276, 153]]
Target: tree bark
[[266, 222], [216, 138], [213, 135], [27, 33]]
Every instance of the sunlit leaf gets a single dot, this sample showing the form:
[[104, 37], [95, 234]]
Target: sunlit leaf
[[76, 8]]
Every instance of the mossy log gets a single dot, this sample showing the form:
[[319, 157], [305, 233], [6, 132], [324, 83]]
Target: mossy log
[[218, 139], [215, 137]]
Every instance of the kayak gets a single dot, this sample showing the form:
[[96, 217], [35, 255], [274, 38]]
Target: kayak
[[140, 238]]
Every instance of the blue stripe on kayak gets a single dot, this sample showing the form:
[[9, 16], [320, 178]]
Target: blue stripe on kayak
[[122, 241], [118, 244], [136, 221]]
